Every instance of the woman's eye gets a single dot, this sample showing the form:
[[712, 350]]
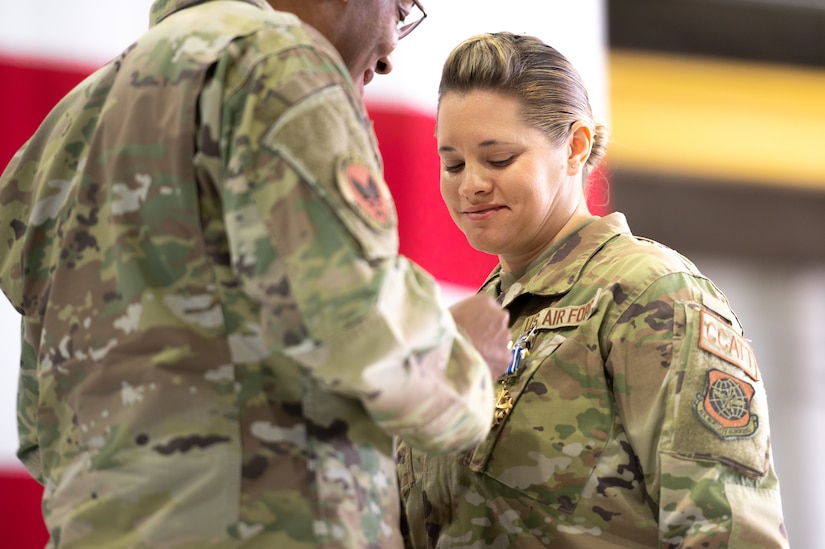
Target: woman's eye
[[502, 163], [452, 168]]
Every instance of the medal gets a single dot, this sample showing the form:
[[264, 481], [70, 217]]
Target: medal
[[504, 403], [519, 349]]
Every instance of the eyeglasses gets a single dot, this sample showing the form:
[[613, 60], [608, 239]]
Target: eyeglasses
[[405, 28]]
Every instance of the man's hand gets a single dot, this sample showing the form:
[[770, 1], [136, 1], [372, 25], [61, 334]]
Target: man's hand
[[485, 323]]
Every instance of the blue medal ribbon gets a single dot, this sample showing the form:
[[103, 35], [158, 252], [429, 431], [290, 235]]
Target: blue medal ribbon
[[519, 350]]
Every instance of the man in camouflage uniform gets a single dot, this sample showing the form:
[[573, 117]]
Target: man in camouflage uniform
[[219, 338]]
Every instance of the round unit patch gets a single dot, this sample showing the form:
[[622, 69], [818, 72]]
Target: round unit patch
[[725, 408], [366, 193]]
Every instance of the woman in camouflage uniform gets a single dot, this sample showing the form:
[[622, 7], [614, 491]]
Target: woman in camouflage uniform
[[633, 414]]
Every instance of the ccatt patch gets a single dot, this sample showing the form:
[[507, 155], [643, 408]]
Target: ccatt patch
[[725, 407], [365, 192], [719, 339]]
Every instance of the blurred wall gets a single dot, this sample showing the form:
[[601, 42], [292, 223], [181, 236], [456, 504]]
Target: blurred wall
[[718, 150]]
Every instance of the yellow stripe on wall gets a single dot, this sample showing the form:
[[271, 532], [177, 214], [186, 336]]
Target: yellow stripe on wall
[[741, 121]]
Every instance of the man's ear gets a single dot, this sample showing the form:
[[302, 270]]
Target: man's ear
[[580, 141]]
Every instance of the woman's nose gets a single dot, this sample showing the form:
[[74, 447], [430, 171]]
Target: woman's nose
[[474, 183]]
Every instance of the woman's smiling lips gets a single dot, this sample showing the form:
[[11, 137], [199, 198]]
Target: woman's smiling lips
[[482, 213]]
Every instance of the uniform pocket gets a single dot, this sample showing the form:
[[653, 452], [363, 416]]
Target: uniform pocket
[[549, 443], [722, 412], [341, 168]]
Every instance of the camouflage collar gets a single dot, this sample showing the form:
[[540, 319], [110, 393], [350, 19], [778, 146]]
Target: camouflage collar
[[556, 273], [163, 8]]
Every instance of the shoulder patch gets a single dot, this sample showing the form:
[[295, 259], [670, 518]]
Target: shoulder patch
[[718, 338], [725, 407], [365, 192]]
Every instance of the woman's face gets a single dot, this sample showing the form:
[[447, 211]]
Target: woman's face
[[507, 187]]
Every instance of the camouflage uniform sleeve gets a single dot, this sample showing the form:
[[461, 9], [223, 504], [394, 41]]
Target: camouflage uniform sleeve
[[28, 398], [690, 396], [13, 208], [313, 237]]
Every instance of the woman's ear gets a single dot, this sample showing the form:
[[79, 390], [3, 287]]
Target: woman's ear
[[580, 141]]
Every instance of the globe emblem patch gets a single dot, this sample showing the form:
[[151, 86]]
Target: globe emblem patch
[[725, 407], [728, 400]]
